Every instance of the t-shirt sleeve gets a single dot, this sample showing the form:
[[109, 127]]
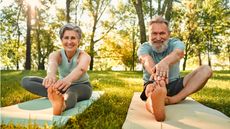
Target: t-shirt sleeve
[[177, 44], [144, 49]]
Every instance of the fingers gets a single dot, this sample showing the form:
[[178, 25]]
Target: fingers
[[149, 89], [62, 85], [151, 77], [57, 92], [48, 81]]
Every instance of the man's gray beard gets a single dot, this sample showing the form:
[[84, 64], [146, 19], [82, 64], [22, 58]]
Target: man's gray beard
[[162, 48]]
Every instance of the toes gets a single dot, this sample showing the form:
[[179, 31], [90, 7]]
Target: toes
[[50, 90]]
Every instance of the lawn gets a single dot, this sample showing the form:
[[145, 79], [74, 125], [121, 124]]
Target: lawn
[[109, 112]]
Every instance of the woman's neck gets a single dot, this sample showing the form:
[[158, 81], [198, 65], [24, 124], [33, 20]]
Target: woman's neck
[[69, 55]]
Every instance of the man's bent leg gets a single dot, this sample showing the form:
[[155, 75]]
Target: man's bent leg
[[193, 82]]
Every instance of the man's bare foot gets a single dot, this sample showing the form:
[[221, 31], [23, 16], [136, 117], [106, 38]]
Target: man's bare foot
[[158, 103], [148, 105], [57, 100]]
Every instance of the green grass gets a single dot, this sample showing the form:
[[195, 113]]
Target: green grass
[[110, 110]]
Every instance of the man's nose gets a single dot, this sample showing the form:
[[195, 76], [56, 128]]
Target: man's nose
[[158, 37]]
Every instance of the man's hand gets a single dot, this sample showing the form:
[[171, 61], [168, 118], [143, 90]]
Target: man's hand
[[149, 89], [160, 72], [49, 80]]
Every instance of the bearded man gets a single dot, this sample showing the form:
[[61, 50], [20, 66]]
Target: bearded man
[[160, 57]]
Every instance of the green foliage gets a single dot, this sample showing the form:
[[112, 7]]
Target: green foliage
[[11, 53], [202, 26]]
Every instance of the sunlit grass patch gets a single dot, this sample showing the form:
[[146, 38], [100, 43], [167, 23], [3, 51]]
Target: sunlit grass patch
[[215, 97], [111, 109]]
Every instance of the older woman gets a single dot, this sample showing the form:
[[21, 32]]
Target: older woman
[[72, 63]]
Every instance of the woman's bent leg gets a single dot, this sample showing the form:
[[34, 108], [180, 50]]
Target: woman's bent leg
[[34, 85], [76, 93]]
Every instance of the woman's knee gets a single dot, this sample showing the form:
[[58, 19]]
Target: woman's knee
[[25, 82]]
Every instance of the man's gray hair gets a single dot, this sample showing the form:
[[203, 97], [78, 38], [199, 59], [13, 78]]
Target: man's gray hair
[[70, 26], [159, 19]]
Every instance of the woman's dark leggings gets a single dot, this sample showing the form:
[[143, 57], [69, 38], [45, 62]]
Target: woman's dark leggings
[[75, 93]]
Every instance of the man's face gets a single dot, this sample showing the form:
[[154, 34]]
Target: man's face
[[158, 36]]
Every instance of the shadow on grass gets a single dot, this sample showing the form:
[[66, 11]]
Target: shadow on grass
[[211, 98], [109, 111]]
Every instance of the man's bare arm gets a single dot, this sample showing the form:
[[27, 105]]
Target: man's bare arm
[[173, 57], [147, 62]]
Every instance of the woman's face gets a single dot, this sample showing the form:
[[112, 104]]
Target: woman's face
[[70, 41]]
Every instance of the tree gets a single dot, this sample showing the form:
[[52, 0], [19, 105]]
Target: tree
[[68, 3], [28, 39], [97, 9], [138, 6], [44, 35], [200, 28], [11, 35]]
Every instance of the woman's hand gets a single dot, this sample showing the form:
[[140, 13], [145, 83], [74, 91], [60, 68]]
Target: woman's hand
[[62, 84], [49, 80]]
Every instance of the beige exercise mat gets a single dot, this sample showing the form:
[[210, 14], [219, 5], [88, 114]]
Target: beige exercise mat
[[188, 114]]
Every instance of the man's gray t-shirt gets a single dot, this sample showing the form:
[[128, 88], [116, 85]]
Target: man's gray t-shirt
[[146, 49]]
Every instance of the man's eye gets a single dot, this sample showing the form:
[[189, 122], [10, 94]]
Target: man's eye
[[162, 33]]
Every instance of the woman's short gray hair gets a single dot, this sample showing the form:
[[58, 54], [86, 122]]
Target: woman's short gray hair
[[70, 26]]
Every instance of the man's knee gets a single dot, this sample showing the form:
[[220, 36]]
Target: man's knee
[[207, 70]]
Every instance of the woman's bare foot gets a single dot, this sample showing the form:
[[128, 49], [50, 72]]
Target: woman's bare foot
[[158, 103], [57, 100]]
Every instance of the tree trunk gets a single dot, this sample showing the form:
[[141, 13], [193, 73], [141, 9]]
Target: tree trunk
[[134, 46], [28, 39], [138, 7], [164, 7], [92, 44], [199, 57], [39, 47], [209, 58], [228, 50], [185, 57], [68, 10], [159, 7], [151, 10], [168, 12], [184, 63], [18, 35]]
